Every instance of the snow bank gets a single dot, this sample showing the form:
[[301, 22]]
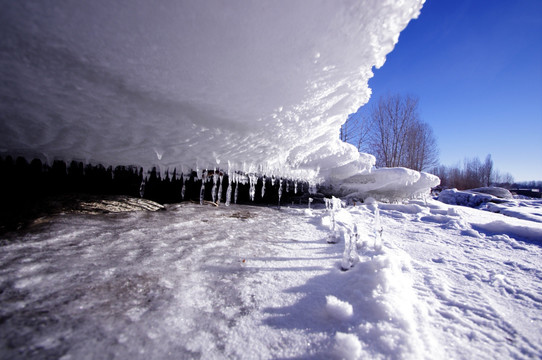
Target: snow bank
[[526, 209], [522, 231], [495, 191], [389, 184], [255, 87], [464, 198]]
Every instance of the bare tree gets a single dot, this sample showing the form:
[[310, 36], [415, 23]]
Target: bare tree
[[397, 137], [487, 170], [472, 177], [392, 121], [393, 132], [422, 151], [505, 179], [356, 131]]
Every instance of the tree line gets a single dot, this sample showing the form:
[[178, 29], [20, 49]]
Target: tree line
[[473, 174]]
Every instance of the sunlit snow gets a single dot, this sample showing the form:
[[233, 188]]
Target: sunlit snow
[[429, 281], [252, 86]]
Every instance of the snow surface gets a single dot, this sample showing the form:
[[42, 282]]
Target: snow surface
[[248, 282], [526, 209], [251, 86]]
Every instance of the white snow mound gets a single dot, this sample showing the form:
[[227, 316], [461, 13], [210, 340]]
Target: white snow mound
[[251, 86], [340, 310], [347, 346]]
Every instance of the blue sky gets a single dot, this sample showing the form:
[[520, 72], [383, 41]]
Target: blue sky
[[476, 67]]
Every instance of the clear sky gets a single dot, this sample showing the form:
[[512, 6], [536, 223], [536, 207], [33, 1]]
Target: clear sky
[[476, 67]]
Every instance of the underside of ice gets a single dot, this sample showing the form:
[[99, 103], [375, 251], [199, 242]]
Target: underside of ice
[[257, 87]]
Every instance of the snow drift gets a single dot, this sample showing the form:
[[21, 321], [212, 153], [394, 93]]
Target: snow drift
[[250, 86]]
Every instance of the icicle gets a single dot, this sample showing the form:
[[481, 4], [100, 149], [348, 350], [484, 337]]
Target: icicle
[[355, 240], [310, 201], [287, 186], [236, 190], [213, 190], [335, 203], [142, 188], [183, 187], [202, 190], [295, 187], [228, 192], [219, 195], [273, 180], [252, 179], [335, 235], [280, 190], [350, 255], [263, 186]]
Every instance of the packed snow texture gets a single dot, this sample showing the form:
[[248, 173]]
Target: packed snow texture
[[389, 184], [430, 281], [252, 86]]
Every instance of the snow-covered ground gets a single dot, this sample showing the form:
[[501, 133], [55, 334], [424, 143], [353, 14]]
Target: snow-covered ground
[[257, 283]]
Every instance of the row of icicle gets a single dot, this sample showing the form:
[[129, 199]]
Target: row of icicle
[[217, 178]]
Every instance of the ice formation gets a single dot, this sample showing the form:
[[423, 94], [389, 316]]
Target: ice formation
[[389, 184], [257, 87]]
